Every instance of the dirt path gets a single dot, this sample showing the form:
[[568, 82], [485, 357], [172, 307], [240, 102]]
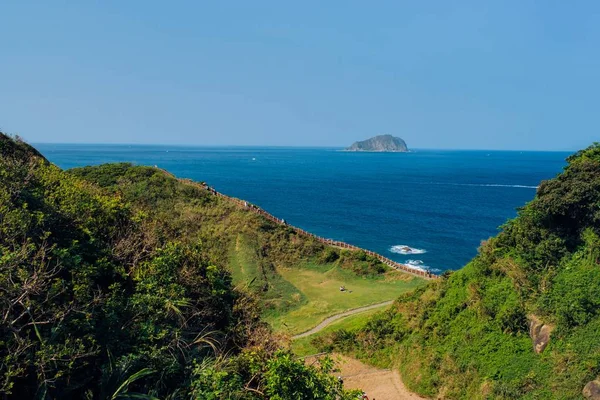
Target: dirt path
[[382, 384], [335, 317], [379, 384]]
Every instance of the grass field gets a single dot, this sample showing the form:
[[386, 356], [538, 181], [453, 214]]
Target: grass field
[[320, 284], [303, 347], [243, 262], [247, 272], [298, 298]]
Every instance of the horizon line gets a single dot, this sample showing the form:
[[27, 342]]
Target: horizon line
[[294, 147]]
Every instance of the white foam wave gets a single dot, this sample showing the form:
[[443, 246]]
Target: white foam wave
[[418, 264], [499, 185], [484, 185], [406, 250]]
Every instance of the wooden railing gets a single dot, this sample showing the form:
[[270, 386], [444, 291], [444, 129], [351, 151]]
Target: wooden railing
[[330, 242]]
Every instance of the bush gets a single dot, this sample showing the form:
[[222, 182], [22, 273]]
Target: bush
[[277, 377]]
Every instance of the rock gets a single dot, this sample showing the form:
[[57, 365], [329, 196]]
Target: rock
[[539, 333], [382, 143], [592, 390]]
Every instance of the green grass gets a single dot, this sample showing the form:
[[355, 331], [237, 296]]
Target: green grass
[[303, 346], [319, 284], [247, 272], [300, 297], [243, 262]]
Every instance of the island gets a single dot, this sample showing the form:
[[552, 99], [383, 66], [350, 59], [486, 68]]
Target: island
[[381, 143]]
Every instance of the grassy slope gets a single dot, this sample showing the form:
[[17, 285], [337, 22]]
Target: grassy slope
[[467, 336], [320, 285], [305, 346], [296, 278], [297, 298], [276, 292]]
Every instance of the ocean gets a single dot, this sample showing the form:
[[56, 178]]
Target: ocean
[[440, 204]]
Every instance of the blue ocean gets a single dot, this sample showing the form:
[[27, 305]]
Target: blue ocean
[[440, 204]]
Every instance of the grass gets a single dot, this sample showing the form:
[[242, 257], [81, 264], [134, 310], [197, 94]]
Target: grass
[[298, 298], [247, 272], [243, 262], [320, 284], [304, 347]]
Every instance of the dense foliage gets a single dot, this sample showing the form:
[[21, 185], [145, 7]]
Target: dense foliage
[[115, 286], [468, 335]]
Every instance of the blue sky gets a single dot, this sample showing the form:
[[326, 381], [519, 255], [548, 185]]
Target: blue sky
[[448, 74]]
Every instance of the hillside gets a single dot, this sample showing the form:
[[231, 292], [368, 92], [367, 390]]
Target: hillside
[[295, 278], [123, 291], [521, 320], [381, 143], [121, 281]]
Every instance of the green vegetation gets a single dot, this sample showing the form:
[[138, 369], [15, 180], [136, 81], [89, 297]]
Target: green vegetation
[[255, 250], [120, 281], [115, 284], [296, 279], [308, 345], [251, 272], [298, 298], [320, 284], [467, 335]]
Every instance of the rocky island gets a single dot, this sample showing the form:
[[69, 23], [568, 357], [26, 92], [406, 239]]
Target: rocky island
[[381, 143]]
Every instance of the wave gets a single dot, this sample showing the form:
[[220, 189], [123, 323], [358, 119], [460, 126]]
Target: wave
[[500, 185], [406, 250], [418, 264], [483, 185]]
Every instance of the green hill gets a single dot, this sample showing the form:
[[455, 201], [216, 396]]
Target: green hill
[[521, 320], [115, 284], [295, 277], [122, 281]]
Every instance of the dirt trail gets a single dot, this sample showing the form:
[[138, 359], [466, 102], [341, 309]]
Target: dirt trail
[[379, 384], [335, 317]]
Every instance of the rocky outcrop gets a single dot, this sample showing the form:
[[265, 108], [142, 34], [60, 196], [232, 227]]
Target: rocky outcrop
[[380, 143], [539, 333], [591, 391]]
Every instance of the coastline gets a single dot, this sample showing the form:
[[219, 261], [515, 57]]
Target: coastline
[[326, 241]]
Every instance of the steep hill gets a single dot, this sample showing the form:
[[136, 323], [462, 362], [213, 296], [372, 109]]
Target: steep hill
[[381, 143], [521, 320]]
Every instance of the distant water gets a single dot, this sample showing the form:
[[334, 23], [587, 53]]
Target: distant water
[[440, 204]]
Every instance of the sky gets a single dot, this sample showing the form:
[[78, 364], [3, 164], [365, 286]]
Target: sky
[[440, 74]]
